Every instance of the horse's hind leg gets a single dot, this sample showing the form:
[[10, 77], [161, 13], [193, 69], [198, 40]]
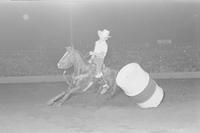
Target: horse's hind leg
[[104, 88], [114, 88]]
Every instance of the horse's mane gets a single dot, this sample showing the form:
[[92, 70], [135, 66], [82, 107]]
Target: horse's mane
[[81, 56]]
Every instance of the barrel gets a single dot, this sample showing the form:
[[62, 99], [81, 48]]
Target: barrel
[[137, 83]]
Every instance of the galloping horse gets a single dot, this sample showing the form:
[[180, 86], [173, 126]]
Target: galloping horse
[[83, 76]]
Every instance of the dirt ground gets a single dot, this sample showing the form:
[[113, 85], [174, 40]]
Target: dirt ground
[[23, 110]]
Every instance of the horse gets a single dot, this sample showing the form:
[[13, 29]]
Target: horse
[[83, 76]]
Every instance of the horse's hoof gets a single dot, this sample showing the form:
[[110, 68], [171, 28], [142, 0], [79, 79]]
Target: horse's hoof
[[54, 103], [50, 102], [104, 89], [59, 104]]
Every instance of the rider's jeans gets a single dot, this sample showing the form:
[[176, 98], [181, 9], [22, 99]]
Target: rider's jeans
[[99, 63]]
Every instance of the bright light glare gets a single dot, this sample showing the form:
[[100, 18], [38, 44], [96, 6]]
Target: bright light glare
[[25, 17]]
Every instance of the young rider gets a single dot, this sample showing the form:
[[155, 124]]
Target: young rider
[[100, 51]]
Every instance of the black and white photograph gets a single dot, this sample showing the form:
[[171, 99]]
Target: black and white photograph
[[99, 66]]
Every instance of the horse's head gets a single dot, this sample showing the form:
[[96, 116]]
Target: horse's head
[[67, 60]]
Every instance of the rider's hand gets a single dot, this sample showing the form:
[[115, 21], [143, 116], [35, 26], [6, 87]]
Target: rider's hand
[[90, 61], [91, 52]]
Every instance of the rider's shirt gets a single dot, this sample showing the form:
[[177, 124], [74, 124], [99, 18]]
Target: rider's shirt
[[101, 48]]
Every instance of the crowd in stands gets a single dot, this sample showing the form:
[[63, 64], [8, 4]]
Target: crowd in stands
[[153, 58]]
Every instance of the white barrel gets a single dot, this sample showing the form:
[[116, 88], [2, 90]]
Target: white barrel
[[136, 83]]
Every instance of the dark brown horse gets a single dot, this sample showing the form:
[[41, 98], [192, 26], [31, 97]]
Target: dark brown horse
[[83, 76]]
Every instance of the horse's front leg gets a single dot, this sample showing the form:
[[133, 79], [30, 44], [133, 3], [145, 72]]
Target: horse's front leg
[[80, 77], [67, 95], [88, 86], [73, 90], [69, 80], [56, 98]]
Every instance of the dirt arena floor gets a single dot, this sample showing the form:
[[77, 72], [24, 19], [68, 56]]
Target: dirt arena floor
[[23, 110]]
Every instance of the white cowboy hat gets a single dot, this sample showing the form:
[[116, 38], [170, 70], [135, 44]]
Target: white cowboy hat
[[104, 33]]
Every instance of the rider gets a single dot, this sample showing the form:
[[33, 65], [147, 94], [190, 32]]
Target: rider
[[100, 51]]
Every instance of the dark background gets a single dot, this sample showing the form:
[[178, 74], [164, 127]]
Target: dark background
[[140, 32]]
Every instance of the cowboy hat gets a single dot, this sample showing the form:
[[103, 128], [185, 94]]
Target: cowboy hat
[[104, 33]]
